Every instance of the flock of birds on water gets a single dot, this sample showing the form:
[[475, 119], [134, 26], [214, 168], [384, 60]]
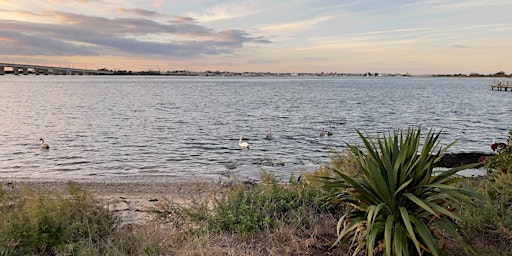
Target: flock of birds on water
[[268, 136], [241, 143]]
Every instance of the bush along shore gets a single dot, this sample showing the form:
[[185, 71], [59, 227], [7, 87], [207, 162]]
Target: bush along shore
[[382, 198]]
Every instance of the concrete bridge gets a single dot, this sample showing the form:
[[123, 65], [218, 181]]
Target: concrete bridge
[[48, 70]]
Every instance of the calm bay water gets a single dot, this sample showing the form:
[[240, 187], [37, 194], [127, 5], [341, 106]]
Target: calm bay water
[[159, 128]]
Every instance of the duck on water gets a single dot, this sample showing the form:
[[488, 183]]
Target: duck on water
[[269, 134], [44, 145]]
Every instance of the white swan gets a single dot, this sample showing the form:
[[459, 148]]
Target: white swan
[[269, 134], [243, 144], [44, 145]]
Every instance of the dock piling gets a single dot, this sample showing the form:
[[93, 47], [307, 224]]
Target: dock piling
[[500, 85]]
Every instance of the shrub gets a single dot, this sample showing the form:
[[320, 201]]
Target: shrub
[[490, 221], [43, 222], [397, 201], [259, 207], [502, 159]]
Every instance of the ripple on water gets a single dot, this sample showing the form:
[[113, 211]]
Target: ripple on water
[[188, 127]]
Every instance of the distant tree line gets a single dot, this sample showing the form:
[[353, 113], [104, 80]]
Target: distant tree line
[[498, 74], [227, 73]]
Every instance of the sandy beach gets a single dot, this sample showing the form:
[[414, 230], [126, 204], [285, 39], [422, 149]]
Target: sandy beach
[[134, 202]]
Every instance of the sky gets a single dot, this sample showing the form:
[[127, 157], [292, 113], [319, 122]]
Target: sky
[[343, 36]]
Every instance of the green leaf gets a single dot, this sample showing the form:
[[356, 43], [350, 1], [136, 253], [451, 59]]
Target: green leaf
[[426, 236], [404, 185], [395, 195], [408, 225], [451, 228], [419, 202], [388, 234], [355, 223]]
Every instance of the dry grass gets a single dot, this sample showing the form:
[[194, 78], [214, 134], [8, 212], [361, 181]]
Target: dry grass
[[169, 230], [284, 240]]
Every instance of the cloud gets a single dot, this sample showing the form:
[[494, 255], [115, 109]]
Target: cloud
[[233, 10], [264, 61], [141, 12], [63, 1], [16, 43], [297, 27], [158, 4], [73, 34]]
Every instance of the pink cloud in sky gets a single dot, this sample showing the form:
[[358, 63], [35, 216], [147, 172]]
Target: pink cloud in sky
[[158, 4]]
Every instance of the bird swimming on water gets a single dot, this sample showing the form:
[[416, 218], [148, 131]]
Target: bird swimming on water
[[269, 134], [44, 145], [243, 144]]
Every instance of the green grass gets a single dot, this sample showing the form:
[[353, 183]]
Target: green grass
[[82, 226], [46, 222], [490, 221], [261, 207]]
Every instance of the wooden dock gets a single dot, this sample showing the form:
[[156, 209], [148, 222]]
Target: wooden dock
[[501, 85]]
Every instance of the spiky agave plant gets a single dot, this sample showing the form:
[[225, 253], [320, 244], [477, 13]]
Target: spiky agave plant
[[398, 202]]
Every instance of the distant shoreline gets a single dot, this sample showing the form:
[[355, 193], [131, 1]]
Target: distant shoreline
[[186, 73]]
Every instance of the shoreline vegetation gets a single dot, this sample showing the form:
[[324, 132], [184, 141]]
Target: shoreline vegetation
[[317, 213], [134, 202], [152, 218], [149, 72]]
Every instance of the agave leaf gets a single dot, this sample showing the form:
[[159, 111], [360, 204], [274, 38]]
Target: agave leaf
[[443, 151], [410, 231], [426, 236], [442, 186], [363, 191], [371, 240], [459, 193], [404, 185], [380, 186], [388, 233], [356, 222], [451, 228], [400, 246], [397, 169], [373, 213], [404, 161], [386, 156], [359, 248], [395, 195], [443, 176], [376, 175], [469, 195], [372, 153], [442, 211], [419, 202]]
